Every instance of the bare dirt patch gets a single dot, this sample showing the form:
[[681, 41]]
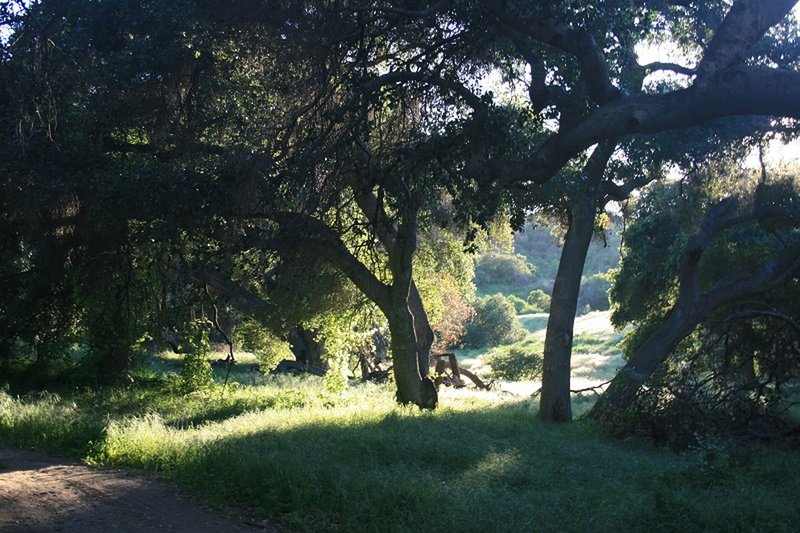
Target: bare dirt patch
[[44, 493]]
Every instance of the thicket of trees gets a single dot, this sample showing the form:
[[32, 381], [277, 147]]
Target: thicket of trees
[[712, 297], [318, 166]]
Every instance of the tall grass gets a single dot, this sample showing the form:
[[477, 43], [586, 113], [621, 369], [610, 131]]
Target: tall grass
[[359, 462], [46, 422]]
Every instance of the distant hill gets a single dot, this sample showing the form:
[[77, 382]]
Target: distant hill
[[538, 250]]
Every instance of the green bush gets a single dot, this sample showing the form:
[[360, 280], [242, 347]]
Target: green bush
[[519, 304], [594, 293], [496, 268], [539, 300], [196, 373], [268, 349], [493, 324], [516, 362]]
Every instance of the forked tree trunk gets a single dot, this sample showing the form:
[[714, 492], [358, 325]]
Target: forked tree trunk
[[555, 404], [411, 343]]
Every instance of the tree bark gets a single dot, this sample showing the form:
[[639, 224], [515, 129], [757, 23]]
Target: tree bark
[[307, 347], [555, 405], [411, 343]]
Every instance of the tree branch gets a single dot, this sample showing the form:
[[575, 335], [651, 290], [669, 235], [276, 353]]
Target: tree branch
[[674, 67], [470, 98], [328, 242], [411, 13], [160, 152], [581, 44], [771, 314], [746, 22], [741, 91]]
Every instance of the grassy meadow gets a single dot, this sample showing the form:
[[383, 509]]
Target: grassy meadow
[[596, 355], [283, 447]]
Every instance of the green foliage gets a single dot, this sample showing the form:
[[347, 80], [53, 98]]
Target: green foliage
[[521, 306], [646, 281], [335, 380], [493, 324], [539, 300], [542, 251], [518, 303], [516, 362], [734, 373], [443, 273], [268, 349], [196, 372], [496, 268], [593, 295]]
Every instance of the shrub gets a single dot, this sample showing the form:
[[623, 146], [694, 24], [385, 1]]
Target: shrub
[[515, 363], [493, 324], [539, 300], [268, 349], [519, 304], [196, 373], [594, 293], [495, 268]]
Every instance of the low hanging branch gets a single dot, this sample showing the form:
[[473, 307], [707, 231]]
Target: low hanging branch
[[765, 313], [694, 305]]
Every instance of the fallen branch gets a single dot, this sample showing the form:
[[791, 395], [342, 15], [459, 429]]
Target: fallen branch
[[287, 366], [593, 389]]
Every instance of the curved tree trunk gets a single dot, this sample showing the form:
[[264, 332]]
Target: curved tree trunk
[[655, 349], [555, 403], [694, 305]]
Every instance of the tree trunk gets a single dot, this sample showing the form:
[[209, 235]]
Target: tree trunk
[[653, 351], [555, 405], [422, 330], [5, 358], [411, 343], [307, 348]]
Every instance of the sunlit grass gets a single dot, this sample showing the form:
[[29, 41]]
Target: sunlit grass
[[46, 421], [359, 462], [283, 447], [534, 323]]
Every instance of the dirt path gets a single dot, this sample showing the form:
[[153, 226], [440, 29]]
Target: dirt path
[[43, 493]]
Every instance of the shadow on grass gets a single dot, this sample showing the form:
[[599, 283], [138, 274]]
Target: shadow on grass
[[362, 464], [492, 469]]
